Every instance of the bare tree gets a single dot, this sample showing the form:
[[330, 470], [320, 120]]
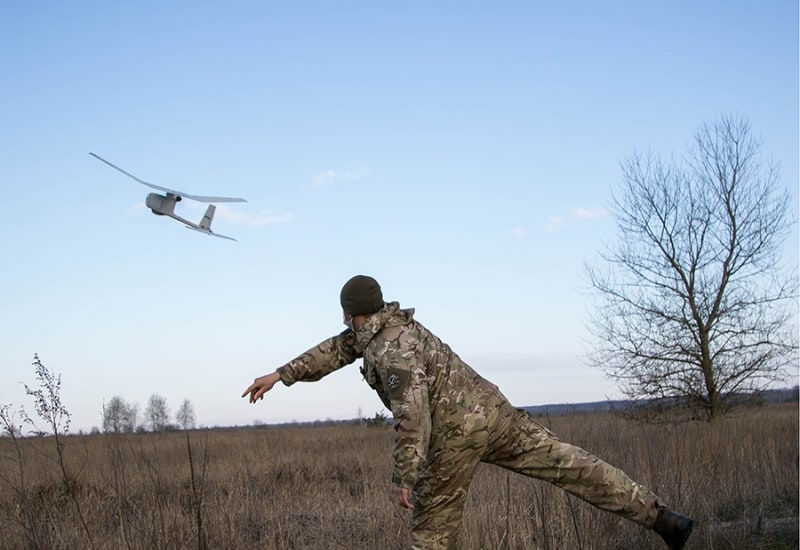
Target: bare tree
[[119, 416], [694, 301], [185, 417], [157, 413]]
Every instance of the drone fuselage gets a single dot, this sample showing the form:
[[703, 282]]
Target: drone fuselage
[[162, 205]]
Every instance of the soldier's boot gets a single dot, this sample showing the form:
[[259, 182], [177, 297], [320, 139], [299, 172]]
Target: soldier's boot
[[673, 527]]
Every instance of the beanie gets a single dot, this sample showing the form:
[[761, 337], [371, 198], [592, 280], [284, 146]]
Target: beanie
[[361, 295]]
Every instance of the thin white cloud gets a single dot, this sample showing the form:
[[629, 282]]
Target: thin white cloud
[[251, 219], [589, 213], [232, 215], [332, 176], [519, 233], [138, 208], [556, 223]]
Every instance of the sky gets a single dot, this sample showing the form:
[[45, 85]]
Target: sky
[[462, 154]]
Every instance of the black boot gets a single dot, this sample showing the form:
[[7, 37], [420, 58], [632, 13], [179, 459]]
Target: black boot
[[673, 527]]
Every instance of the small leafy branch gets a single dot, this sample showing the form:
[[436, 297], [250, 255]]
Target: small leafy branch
[[47, 404], [51, 410]]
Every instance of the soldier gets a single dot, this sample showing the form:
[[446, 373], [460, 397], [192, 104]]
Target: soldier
[[448, 419]]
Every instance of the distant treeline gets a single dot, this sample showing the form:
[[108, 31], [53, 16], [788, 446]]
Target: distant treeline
[[784, 395]]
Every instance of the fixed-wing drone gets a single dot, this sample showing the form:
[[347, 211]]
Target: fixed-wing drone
[[164, 205]]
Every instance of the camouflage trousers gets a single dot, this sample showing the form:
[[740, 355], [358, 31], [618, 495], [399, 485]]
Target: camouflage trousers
[[510, 438]]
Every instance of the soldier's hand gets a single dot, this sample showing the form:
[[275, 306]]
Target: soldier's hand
[[261, 385], [400, 496]]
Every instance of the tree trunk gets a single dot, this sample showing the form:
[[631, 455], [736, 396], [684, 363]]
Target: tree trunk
[[712, 393]]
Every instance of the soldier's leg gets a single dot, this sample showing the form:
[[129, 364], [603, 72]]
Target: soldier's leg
[[440, 494], [523, 445]]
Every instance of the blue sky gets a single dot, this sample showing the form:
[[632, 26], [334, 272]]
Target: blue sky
[[462, 154]]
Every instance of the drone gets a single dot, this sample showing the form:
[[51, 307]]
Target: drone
[[164, 205]]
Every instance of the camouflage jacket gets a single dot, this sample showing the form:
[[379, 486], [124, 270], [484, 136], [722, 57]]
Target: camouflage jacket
[[428, 388]]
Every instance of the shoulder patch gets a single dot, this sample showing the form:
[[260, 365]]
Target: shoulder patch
[[396, 382]]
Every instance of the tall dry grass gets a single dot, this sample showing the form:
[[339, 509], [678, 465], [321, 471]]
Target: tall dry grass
[[328, 488]]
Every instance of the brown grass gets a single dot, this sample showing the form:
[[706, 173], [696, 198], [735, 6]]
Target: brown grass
[[328, 487]]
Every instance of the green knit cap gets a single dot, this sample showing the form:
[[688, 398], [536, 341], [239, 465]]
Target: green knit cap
[[361, 295]]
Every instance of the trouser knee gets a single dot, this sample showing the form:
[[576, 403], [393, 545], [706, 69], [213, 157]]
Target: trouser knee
[[437, 528], [430, 540]]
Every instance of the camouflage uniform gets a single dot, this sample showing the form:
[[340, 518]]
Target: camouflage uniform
[[448, 419]]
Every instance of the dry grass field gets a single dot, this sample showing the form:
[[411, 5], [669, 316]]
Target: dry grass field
[[327, 488]]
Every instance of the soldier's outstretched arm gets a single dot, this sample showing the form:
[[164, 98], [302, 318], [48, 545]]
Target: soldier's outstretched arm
[[321, 360], [261, 385], [328, 356]]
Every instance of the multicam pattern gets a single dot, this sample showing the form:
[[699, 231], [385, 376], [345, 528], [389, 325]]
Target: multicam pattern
[[448, 419]]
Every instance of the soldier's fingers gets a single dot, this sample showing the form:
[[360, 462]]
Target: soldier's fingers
[[249, 389], [401, 497]]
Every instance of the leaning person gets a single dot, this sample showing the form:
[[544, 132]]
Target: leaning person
[[448, 419]]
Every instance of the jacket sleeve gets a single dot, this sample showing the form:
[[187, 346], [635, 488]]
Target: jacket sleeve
[[322, 359], [406, 385]]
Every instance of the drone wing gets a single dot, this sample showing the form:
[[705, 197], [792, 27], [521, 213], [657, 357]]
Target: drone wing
[[199, 198], [202, 198]]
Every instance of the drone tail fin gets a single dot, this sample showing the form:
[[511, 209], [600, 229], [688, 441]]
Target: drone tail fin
[[208, 217], [205, 224]]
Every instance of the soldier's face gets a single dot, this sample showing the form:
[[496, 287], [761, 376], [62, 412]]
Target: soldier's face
[[348, 320]]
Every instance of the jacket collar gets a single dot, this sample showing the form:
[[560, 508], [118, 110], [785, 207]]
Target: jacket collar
[[388, 316]]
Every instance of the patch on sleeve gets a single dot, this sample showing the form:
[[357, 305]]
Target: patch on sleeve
[[396, 383]]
